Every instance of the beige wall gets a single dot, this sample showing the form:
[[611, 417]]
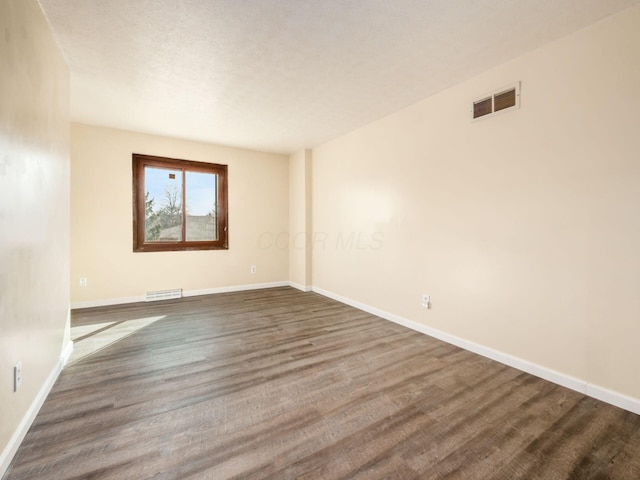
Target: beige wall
[[300, 219], [101, 219], [524, 227], [34, 208]]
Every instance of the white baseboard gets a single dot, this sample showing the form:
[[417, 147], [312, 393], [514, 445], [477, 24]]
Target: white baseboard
[[609, 396], [614, 398], [235, 288], [300, 287], [103, 302], [23, 427], [66, 353], [185, 293]]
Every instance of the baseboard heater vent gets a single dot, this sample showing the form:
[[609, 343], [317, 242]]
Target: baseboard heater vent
[[163, 295]]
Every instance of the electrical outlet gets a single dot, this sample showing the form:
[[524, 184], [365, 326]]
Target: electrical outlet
[[83, 281], [426, 300], [17, 376], [253, 269]]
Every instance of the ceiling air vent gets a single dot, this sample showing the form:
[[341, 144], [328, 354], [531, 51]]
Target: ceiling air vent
[[505, 99]]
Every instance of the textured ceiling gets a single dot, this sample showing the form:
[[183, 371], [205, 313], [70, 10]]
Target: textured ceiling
[[280, 75]]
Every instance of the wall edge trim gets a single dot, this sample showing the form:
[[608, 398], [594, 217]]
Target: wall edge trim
[[185, 293], [614, 398], [6, 457], [302, 288], [234, 288], [66, 353], [104, 302]]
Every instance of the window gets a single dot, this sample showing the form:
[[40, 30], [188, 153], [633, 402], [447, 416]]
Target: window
[[178, 205]]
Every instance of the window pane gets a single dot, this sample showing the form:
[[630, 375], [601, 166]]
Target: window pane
[[162, 205], [202, 192]]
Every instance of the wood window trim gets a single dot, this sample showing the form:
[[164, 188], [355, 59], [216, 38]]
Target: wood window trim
[[139, 162]]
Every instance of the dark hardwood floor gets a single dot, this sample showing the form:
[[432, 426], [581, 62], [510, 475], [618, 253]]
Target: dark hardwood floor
[[281, 384]]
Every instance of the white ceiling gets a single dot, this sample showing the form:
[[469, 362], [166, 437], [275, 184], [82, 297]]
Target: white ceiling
[[280, 75]]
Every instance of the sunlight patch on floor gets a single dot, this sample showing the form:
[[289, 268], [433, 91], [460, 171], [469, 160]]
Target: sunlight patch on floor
[[83, 330], [85, 342]]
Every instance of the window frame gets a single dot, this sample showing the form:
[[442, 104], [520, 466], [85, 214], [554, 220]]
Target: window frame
[[139, 162]]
